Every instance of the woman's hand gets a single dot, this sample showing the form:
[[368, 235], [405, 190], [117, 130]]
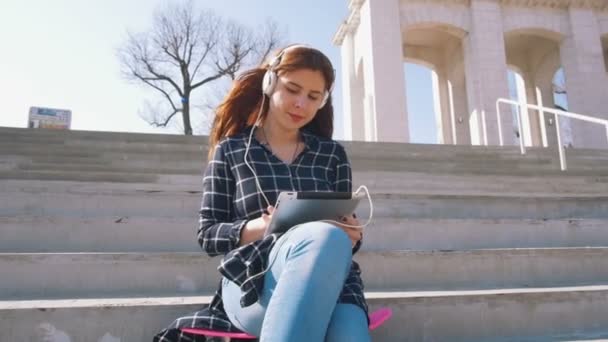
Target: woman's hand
[[254, 230], [355, 234]]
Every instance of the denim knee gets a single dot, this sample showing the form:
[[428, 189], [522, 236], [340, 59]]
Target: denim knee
[[325, 243], [333, 239]]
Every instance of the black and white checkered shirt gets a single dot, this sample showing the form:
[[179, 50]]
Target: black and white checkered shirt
[[231, 198]]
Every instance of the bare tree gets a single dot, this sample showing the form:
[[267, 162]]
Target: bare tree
[[186, 50]]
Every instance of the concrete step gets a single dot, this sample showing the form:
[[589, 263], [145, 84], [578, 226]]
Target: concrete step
[[377, 182], [96, 148], [38, 201], [156, 160], [489, 315], [519, 168], [78, 176], [195, 163], [23, 234], [105, 141], [119, 139], [90, 275], [485, 268], [14, 133], [199, 144], [138, 168], [356, 149], [465, 234], [65, 275], [382, 181], [360, 155], [427, 183], [200, 153], [549, 180], [510, 314], [43, 186], [372, 157], [597, 336], [516, 206]]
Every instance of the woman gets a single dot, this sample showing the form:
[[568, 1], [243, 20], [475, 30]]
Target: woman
[[272, 133]]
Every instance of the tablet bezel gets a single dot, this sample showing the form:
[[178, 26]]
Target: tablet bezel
[[293, 208]]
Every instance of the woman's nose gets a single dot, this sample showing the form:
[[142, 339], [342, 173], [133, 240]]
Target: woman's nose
[[300, 101]]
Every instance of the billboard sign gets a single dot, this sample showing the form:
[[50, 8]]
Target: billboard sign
[[52, 118]]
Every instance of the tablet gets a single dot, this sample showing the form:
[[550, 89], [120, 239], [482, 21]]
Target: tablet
[[293, 208]]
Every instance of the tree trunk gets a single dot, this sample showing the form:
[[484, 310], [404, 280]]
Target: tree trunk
[[186, 116]]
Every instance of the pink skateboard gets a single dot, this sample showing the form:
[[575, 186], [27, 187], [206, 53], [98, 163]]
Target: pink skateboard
[[376, 319]]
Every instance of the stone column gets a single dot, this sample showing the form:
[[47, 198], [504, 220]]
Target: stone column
[[486, 73], [357, 109], [348, 82], [545, 98], [383, 69], [444, 131], [543, 79], [457, 94], [533, 115], [586, 82]]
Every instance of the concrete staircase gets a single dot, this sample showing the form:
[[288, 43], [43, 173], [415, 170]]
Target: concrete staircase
[[467, 244]]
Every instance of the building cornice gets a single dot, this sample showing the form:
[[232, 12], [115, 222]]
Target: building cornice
[[354, 17], [600, 5], [351, 23]]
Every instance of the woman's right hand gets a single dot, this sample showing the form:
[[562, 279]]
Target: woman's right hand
[[254, 230]]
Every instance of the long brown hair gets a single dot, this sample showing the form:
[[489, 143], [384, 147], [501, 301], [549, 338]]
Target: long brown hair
[[241, 105]]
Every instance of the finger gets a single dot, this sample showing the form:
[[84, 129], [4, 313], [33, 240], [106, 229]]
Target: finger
[[353, 235], [354, 225], [348, 220]]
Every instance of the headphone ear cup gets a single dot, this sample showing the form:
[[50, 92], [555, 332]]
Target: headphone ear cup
[[269, 82]]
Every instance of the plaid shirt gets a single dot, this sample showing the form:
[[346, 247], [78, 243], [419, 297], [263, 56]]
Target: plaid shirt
[[231, 198]]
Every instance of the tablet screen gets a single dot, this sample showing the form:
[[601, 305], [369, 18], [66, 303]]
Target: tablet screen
[[293, 208]]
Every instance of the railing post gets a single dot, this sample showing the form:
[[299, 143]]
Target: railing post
[[521, 134], [502, 143], [557, 113], [485, 127], [560, 148], [541, 112]]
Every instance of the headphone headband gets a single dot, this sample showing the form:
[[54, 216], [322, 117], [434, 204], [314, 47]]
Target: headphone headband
[[269, 82]]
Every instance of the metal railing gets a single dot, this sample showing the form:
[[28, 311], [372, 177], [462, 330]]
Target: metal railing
[[542, 110]]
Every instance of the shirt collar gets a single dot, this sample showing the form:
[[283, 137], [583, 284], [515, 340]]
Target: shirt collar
[[311, 141]]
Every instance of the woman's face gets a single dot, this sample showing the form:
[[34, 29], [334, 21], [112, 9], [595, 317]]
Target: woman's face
[[296, 98]]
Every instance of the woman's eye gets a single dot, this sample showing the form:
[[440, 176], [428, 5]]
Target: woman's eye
[[314, 98], [293, 91]]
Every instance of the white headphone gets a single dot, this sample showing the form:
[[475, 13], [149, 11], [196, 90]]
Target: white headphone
[[269, 82]]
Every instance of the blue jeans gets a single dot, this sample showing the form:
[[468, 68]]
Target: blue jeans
[[309, 265]]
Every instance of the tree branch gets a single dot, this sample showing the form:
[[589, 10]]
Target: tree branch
[[197, 46]]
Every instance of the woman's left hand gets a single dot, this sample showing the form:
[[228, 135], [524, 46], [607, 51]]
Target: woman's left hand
[[355, 234]]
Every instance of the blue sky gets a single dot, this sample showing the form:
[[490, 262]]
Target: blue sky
[[61, 54]]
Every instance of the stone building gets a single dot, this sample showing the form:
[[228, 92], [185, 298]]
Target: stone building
[[470, 45]]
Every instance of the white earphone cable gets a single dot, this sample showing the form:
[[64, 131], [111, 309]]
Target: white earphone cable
[[283, 237], [371, 211], [256, 124], [259, 186]]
